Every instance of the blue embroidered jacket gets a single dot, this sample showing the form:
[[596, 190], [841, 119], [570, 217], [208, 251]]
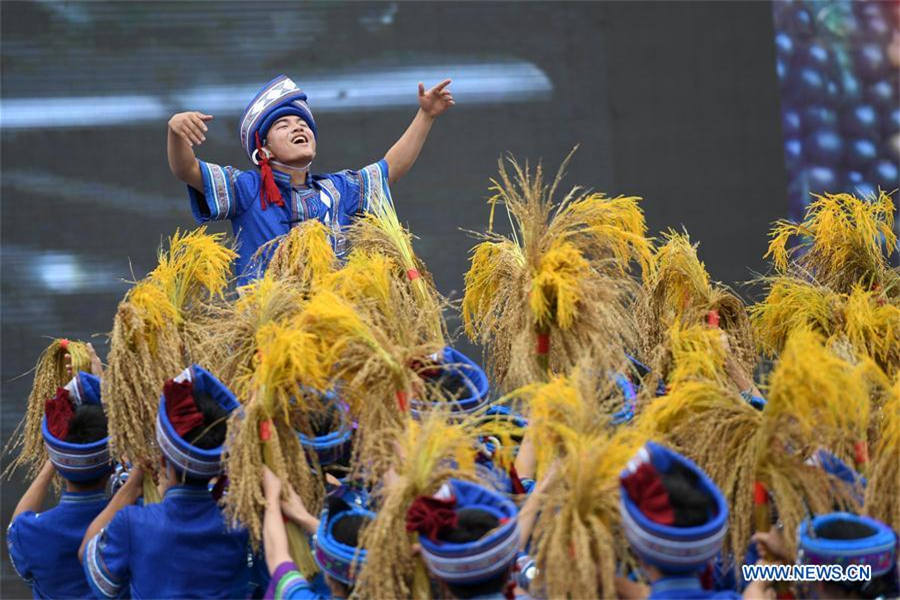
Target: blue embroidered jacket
[[686, 588], [179, 548], [43, 547], [333, 198]]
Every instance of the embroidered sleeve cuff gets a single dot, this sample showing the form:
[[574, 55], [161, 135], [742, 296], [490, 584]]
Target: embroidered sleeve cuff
[[102, 582], [218, 201], [289, 583], [374, 189], [16, 558]]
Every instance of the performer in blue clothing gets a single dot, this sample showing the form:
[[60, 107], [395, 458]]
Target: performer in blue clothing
[[675, 519], [182, 546], [470, 539], [43, 546], [335, 544], [279, 135]]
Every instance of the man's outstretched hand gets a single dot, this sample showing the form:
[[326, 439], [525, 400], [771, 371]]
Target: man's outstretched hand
[[437, 100], [190, 126]]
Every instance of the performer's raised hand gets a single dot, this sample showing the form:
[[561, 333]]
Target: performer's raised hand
[[436, 100], [190, 126]]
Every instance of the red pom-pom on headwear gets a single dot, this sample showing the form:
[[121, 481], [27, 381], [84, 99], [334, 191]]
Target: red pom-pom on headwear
[[180, 406], [431, 516], [268, 191], [59, 412], [646, 490]]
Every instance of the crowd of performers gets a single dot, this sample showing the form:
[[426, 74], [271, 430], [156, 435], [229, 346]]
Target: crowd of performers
[[291, 419]]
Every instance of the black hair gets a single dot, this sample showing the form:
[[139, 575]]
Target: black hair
[[87, 425], [211, 433], [208, 435], [692, 505], [473, 524], [844, 529]]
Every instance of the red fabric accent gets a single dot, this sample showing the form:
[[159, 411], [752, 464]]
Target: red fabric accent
[[509, 590], [517, 486], [712, 318], [707, 581], [402, 400], [412, 274], [760, 494], [64, 344], [180, 406], [59, 412], [543, 343], [861, 453], [265, 430], [646, 490], [431, 516], [219, 488], [268, 191]]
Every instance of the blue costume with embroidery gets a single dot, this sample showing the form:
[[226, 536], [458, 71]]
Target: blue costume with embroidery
[[43, 547], [177, 548], [333, 198], [685, 588]]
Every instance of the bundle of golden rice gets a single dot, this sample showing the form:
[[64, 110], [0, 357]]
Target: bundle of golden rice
[[422, 455], [377, 287], [571, 416], [558, 285], [264, 431], [577, 540], [50, 373], [378, 377], [304, 255], [815, 400], [153, 338], [843, 241], [882, 500], [229, 329], [677, 290], [863, 318], [380, 232]]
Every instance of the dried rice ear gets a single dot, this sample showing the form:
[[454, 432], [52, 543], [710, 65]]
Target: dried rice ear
[[882, 498], [843, 241], [304, 255], [558, 285], [50, 372]]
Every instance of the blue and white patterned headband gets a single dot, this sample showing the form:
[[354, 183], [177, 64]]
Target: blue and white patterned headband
[[193, 461], [79, 462], [333, 446], [473, 562], [339, 560], [473, 377], [877, 550], [672, 549], [278, 98]]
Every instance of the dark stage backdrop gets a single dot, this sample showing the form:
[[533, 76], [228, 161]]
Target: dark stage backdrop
[[675, 102]]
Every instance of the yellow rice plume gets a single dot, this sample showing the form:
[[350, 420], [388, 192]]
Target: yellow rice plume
[[793, 303], [845, 241], [872, 325], [697, 352], [577, 541], [557, 286], [882, 500], [305, 254], [229, 330], [49, 374], [425, 454], [264, 434]]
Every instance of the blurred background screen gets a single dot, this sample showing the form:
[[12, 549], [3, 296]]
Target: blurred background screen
[[837, 63], [677, 102]]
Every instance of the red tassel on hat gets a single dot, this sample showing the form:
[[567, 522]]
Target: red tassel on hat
[[59, 411], [431, 516], [268, 191], [180, 406], [646, 490]]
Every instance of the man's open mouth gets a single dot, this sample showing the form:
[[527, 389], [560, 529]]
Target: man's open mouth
[[299, 139]]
